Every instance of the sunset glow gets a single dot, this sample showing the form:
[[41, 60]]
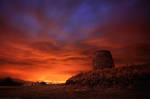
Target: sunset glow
[[50, 40]]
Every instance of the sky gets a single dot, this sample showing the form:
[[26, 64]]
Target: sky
[[52, 40]]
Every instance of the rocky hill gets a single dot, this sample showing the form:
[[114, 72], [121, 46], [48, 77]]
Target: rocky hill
[[131, 76]]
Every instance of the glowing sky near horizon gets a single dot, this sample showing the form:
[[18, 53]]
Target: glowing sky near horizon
[[51, 40]]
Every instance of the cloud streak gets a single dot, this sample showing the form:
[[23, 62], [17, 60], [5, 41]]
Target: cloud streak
[[57, 39]]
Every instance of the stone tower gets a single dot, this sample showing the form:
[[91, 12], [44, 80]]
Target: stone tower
[[102, 59]]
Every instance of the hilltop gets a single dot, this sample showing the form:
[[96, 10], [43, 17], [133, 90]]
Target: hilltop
[[131, 76]]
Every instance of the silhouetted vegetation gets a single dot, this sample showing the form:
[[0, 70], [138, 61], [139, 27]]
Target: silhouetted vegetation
[[42, 83], [10, 82]]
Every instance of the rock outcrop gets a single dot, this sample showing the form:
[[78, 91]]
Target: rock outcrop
[[102, 59]]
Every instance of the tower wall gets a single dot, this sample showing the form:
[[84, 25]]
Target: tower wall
[[102, 59]]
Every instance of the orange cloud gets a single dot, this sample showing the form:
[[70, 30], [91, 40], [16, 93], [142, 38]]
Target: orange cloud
[[40, 42]]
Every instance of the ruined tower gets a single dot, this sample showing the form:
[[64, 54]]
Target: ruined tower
[[102, 59]]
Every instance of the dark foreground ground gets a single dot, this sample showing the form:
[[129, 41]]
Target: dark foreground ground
[[69, 92]]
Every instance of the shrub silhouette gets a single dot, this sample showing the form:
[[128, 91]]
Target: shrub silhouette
[[42, 83], [10, 82]]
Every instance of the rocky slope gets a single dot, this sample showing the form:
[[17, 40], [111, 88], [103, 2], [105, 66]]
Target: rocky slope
[[132, 76]]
